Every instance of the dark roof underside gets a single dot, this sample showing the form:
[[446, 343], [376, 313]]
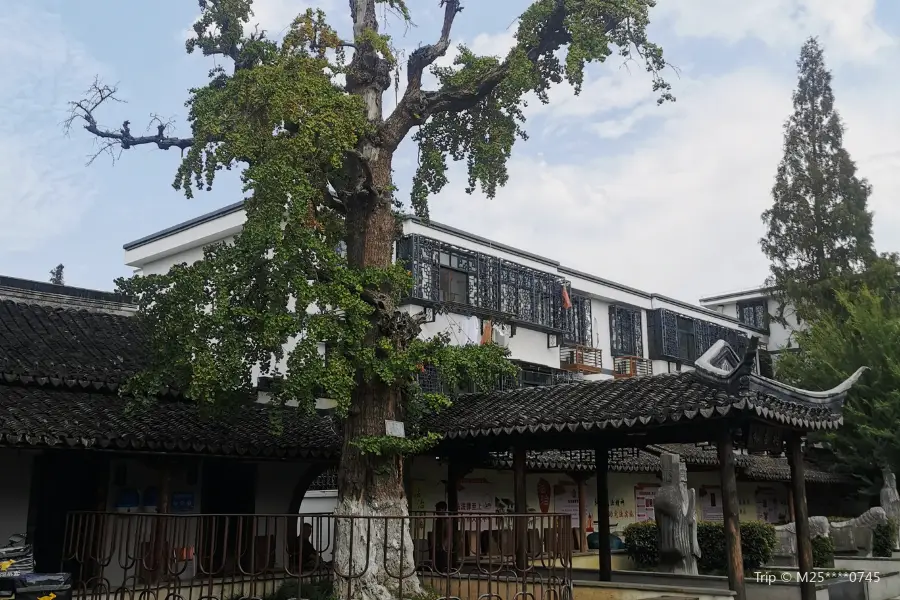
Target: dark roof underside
[[752, 467], [625, 404]]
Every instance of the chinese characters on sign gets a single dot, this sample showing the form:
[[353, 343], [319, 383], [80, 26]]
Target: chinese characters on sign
[[643, 502]]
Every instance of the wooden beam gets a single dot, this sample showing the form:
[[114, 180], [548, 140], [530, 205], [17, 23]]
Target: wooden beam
[[731, 512], [801, 513], [520, 498], [601, 459]]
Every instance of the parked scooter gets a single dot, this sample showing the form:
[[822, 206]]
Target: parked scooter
[[17, 557]]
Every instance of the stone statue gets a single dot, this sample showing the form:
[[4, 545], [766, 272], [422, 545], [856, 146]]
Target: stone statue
[[856, 535], [890, 502], [787, 535], [676, 518]]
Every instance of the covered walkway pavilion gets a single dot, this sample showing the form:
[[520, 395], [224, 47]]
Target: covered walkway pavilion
[[721, 402]]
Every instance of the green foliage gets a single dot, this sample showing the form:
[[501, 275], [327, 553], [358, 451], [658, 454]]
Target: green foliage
[[823, 552], [642, 543], [57, 276], [758, 543], [833, 348], [315, 166], [483, 134], [884, 539], [819, 228]]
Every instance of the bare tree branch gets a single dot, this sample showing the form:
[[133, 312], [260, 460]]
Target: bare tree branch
[[417, 105], [425, 56], [120, 139]]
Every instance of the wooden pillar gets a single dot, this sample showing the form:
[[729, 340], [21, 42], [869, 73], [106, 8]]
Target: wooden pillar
[[731, 512], [520, 499], [801, 514], [793, 518], [601, 459], [582, 511], [455, 473]]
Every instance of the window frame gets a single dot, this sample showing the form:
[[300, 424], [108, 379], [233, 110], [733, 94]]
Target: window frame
[[755, 303]]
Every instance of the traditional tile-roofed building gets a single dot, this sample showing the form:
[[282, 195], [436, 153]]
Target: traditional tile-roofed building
[[66, 352]]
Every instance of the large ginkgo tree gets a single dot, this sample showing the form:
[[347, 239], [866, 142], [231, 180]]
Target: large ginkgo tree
[[303, 120]]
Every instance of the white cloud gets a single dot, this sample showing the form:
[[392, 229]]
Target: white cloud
[[678, 211], [848, 28], [275, 16], [44, 187]]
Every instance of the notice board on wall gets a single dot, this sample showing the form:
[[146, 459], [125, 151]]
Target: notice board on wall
[[644, 497]]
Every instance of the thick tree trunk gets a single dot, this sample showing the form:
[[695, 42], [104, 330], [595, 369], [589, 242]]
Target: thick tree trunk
[[373, 557]]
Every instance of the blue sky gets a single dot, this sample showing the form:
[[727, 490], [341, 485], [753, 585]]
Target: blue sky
[[665, 199]]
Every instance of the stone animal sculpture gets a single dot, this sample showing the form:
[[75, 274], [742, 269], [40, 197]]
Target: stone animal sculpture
[[676, 518], [856, 535], [852, 535], [890, 502], [787, 535]]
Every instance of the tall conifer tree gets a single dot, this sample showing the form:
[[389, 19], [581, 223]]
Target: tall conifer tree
[[819, 228]]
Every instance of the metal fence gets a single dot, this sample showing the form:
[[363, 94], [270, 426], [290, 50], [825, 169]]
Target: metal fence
[[471, 556]]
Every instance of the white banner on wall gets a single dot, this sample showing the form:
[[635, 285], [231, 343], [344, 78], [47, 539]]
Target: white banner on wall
[[476, 495]]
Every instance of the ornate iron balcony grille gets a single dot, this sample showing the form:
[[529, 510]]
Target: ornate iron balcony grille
[[326, 481], [678, 338], [481, 284]]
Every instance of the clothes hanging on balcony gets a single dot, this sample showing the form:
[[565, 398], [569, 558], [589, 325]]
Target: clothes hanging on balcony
[[469, 329], [566, 301]]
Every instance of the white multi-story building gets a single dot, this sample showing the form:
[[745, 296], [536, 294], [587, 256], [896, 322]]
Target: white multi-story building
[[558, 323], [755, 307]]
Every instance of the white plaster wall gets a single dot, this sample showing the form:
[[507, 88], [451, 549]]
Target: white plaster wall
[[428, 477], [15, 492]]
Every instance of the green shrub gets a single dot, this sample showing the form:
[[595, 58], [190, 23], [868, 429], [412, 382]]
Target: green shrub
[[823, 552], [642, 543], [884, 539], [757, 544]]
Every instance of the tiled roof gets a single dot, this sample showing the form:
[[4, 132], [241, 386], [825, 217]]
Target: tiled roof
[[753, 467], [31, 416], [635, 403], [68, 348]]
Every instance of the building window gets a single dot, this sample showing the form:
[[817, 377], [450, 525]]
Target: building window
[[493, 287], [674, 337], [578, 322], [626, 335], [454, 286], [686, 341], [753, 314]]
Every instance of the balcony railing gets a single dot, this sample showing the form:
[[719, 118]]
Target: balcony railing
[[115, 556], [580, 359], [625, 367]]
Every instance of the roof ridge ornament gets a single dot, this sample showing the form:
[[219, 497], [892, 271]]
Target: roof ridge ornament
[[720, 365]]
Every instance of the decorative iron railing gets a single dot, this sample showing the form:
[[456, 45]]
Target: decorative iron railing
[[468, 281], [581, 359], [631, 366], [465, 556]]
